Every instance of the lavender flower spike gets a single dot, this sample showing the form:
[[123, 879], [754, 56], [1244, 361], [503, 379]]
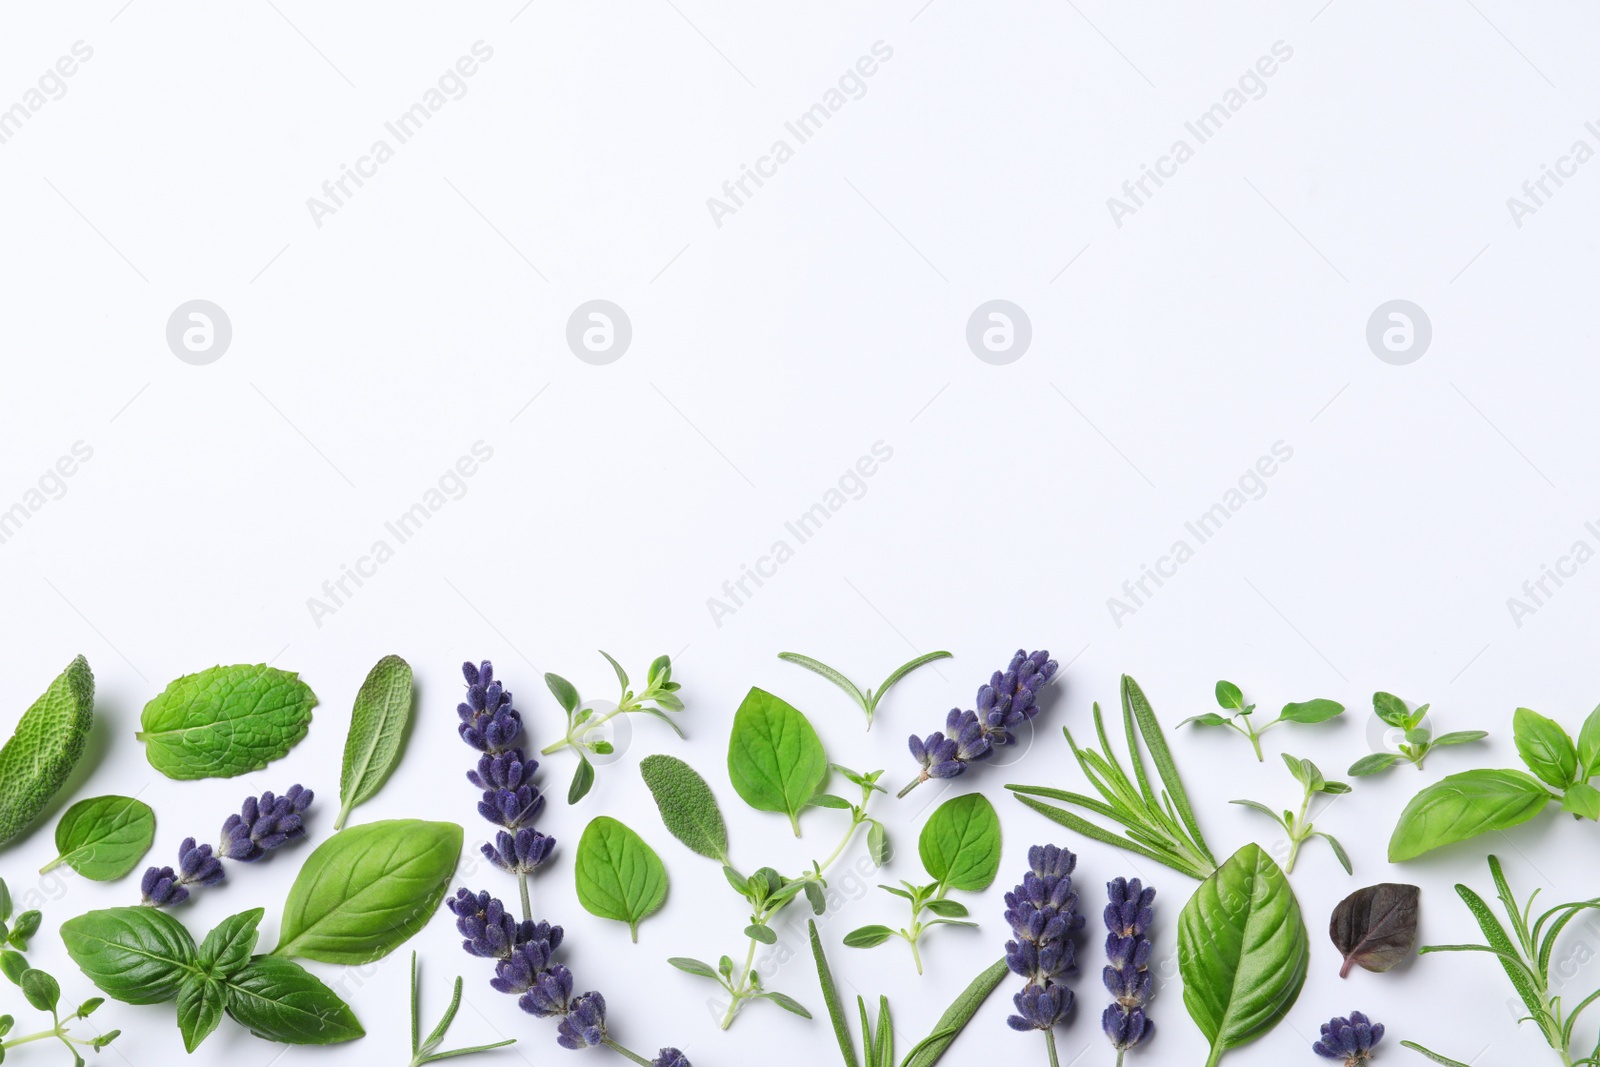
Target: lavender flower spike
[[1043, 914], [1008, 700], [1127, 977], [671, 1057], [585, 1024], [1351, 1039], [265, 823]]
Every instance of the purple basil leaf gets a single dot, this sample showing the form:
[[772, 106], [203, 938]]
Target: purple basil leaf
[[1375, 927]]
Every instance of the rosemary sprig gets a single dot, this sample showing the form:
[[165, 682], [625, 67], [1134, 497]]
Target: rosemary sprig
[[1159, 826], [426, 1050]]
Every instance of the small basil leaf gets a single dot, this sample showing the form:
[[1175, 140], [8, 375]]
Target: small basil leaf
[[42, 991], [1229, 696], [687, 805], [622, 675], [618, 875], [200, 1005], [26, 926], [1335, 787], [1209, 718], [281, 1001], [103, 838], [1375, 927], [868, 936], [14, 965], [816, 898], [1464, 805], [135, 955], [1581, 799], [225, 721], [229, 944], [775, 758], [1311, 711], [1589, 745], [1545, 747], [960, 845]]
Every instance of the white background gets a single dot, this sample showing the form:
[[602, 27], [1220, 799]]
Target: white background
[[769, 353]]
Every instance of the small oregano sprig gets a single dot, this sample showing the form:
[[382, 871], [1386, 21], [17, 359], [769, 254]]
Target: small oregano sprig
[[659, 696], [689, 810], [1230, 698], [960, 849], [867, 700], [1419, 740], [39, 989], [261, 825], [426, 1050], [1009, 699], [1298, 827]]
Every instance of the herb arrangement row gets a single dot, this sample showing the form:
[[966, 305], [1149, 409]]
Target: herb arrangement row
[[1243, 946]]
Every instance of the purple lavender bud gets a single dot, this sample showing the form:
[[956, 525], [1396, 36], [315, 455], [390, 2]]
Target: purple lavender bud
[[490, 931], [1040, 1007], [160, 888], [1129, 912], [488, 721], [1351, 1040], [550, 994], [521, 853], [511, 808], [585, 1024], [518, 972], [265, 823], [196, 864], [670, 1057], [1008, 700], [1125, 1028]]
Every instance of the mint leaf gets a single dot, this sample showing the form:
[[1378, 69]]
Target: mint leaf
[[960, 845], [225, 721]]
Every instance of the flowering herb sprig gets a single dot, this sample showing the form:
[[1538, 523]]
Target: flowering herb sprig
[[1297, 826], [262, 825], [659, 696], [523, 950], [1043, 913], [689, 810], [1416, 742], [1127, 976], [1009, 699], [39, 989], [867, 700], [1351, 1040], [1231, 699]]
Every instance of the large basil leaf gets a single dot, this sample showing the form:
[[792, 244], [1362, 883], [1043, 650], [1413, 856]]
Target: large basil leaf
[[367, 889], [775, 758], [1461, 806], [688, 807], [1242, 951], [225, 721], [1545, 747], [281, 1001], [103, 838], [619, 876], [960, 845], [135, 955], [377, 725]]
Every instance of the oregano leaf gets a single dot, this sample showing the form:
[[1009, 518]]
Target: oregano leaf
[[618, 875], [775, 759]]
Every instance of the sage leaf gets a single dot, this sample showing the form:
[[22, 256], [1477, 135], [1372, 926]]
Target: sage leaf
[[103, 838], [1242, 951], [960, 845], [1545, 747], [956, 1017], [1375, 927], [366, 890], [1464, 805], [619, 876], [377, 726], [281, 1001], [230, 943], [201, 1001], [1311, 711], [46, 746], [775, 758], [135, 955], [687, 805], [225, 721]]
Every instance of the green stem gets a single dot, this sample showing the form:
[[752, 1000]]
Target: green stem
[[556, 746], [575, 736], [40, 1036], [1294, 850], [59, 860], [1121, 1052], [527, 904], [911, 785], [1050, 1043], [1255, 743], [916, 953], [738, 990], [634, 1056]]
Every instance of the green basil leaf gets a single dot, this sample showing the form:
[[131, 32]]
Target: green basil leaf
[[1581, 799], [1242, 950], [960, 845], [775, 758], [1589, 745], [619, 876], [1545, 747], [867, 936], [229, 944], [1391, 709], [687, 805], [135, 955], [103, 838], [377, 726], [366, 890], [225, 721], [42, 991], [281, 1001], [201, 1001], [1312, 711], [1464, 805], [1367, 765], [1229, 696], [961, 1010]]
